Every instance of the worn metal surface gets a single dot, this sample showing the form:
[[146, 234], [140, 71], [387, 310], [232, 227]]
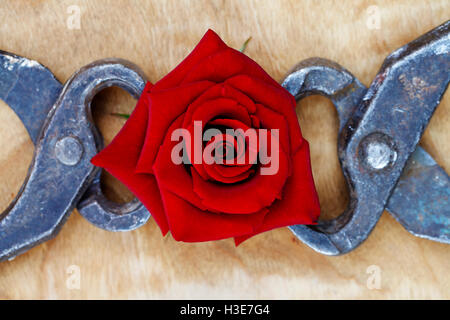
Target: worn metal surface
[[29, 88], [109, 215], [377, 137], [94, 206], [421, 198], [61, 172]]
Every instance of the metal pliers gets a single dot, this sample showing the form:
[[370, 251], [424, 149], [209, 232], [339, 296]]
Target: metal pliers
[[379, 130], [61, 177]]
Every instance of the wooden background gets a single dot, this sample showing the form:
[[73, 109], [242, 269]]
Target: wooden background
[[157, 35]]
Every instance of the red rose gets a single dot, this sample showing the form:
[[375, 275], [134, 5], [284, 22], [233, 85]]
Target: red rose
[[215, 87]]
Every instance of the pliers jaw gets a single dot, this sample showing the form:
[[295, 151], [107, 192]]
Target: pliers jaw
[[379, 131], [61, 172]]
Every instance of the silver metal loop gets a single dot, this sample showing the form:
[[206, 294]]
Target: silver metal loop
[[29, 88], [94, 206], [109, 215], [61, 171], [379, 131], [326, 78]]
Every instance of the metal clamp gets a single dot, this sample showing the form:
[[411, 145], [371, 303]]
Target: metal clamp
[[61, 171], [379, 130]]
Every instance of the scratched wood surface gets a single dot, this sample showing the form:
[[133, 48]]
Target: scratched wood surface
[[157, 35]]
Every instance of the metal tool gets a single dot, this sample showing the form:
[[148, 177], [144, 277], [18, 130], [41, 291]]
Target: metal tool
[[379, 130], [59, 122]]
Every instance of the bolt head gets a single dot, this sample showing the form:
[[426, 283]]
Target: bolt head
[[377, 151], [69, 150]]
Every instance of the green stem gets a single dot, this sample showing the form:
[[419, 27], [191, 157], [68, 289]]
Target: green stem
[[244, 46], [123, 115]]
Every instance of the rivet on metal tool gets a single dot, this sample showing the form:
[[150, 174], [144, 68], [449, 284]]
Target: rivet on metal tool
[[69, 150], [377, 151]]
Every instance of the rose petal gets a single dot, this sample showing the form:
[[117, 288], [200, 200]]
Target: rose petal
[[164, 107], [300, 203], [269, 119], [171, 176], [274, 97], [190, 224], [232, 171], [220, 107], [229, 123], [220, 173], [215, 92], [215, 174], [247, 197], [225, 64], [208, 45], [251, 147], [210, 109]]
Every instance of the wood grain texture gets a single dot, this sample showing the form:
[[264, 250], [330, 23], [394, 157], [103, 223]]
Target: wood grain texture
[[157, 35]]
